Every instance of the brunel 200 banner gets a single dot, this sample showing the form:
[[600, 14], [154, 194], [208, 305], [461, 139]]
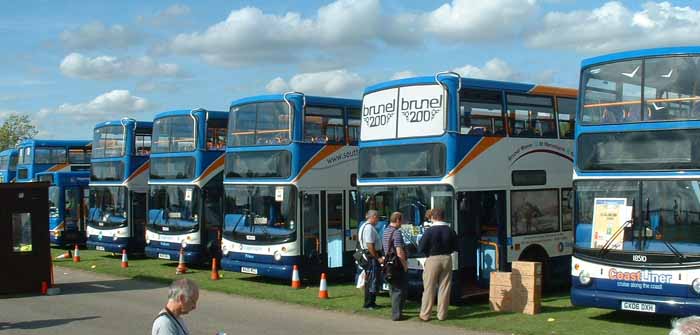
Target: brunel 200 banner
[[409, 111]]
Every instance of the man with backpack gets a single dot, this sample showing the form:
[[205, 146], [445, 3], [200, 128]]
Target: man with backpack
[[395, 265]]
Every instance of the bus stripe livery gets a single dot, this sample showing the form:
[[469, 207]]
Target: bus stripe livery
[[118, 185], [290, 196], [637, 194], [185, 185], [495, 156]]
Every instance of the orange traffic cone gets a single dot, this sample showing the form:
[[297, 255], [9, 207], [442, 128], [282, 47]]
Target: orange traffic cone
[[181, 267], [214, 269], [76, 254], [125, 259], [323, 289], [66, 254], [296, 283]]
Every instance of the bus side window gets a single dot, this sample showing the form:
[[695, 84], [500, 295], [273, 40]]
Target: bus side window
[[324, 125], [481, 113], [216, 135], [531, 116], [143, 144]]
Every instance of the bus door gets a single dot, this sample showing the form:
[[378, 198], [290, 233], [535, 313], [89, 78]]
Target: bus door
[[335, 217], [481, 222], [311, 230], [137, 219], [84, 205], [73, 200], [212, 194]]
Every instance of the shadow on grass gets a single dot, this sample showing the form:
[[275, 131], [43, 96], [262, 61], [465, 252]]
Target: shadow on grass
[[38, 324], [637, 319]]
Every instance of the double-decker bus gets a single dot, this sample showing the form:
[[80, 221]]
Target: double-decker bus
[[289, 182], [495, 156], [68, 206], [185, 185], [118, 185], [8, 165], [637, 182], [51, 155]]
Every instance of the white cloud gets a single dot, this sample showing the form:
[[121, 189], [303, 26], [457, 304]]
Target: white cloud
[[614, 27], [107, 68], [468, 20], [170, 15], [494, 69], [250, 36], [96, 35], [403, 74], [110, 105], [345, 28], [327, 83]]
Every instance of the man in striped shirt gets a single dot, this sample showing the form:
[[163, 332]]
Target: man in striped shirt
[[392, 239]]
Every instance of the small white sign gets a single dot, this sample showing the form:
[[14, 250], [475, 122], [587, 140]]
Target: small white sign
[[188, 195], [279, 194], [379, 111]]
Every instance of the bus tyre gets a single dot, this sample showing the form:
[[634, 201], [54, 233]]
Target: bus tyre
[[537, 254]]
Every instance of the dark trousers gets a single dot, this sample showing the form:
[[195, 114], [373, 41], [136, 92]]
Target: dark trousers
[[372, 283], [399, 289]]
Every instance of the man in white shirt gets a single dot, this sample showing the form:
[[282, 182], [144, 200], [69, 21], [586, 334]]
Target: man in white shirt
[[182, 299], [370, 241]]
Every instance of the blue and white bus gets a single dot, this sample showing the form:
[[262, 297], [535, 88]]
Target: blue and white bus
[[290, 171], [185, 185], [118, 185], [8, 165], [51, 155], [68, 206], [637, 182], [495, 156]]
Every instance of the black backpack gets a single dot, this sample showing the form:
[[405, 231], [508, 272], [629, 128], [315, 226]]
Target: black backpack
[[392, 263]]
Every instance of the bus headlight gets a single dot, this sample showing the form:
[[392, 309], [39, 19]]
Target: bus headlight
[[696, 285], [224, 249], [184, 244], [277, 256], [584, 277]]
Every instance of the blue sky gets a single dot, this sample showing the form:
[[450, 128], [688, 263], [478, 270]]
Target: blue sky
[[72, 64]]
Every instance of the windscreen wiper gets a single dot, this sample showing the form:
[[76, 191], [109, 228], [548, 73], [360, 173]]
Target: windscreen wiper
[[669, 245]]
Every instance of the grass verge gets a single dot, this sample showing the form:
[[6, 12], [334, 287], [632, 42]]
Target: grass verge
[[558, 315]]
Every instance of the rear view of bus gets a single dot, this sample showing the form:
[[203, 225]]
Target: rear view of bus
[[290, 198], [636, 179], [185, 185], [495, 156], [118, 185], [68, 206], [51, 155], [8, 165]]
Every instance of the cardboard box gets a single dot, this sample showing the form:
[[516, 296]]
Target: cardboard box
[[499, 291], [526, 281], [501, 305], [530, 308], [501, 279], [526, 296], [527, 268]]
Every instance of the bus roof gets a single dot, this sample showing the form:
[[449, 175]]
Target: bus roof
[[55, 143], [477, 83], [640, 53], [139, 124], [310, 99], [180, 112], [9, 152]]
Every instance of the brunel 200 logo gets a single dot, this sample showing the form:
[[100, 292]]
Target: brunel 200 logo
[[421, 110], [379, 115]]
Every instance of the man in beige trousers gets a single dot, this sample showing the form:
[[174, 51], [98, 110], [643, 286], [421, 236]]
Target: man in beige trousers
[[438, 243]]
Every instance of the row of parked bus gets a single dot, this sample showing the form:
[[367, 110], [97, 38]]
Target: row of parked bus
[[284, 180]]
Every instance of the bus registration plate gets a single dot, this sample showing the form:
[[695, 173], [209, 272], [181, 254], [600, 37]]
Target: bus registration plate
[[99, 248], [252, 271], [638, 306], [163, 256]]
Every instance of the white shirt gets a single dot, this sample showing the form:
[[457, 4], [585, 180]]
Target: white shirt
[[166, 325], [369, 235]]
